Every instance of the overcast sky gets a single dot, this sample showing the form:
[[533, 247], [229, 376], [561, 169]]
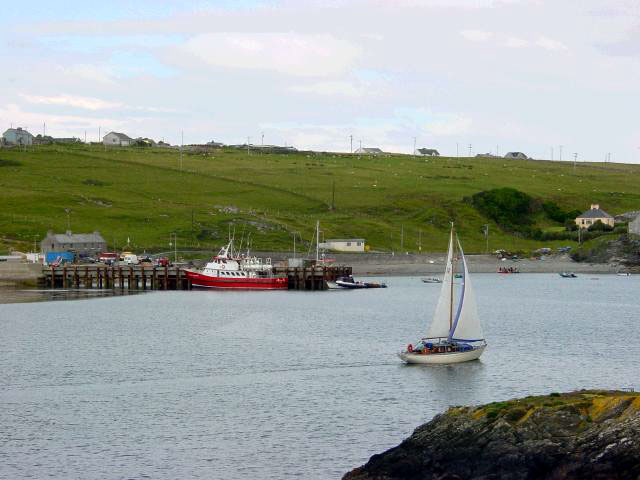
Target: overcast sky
[[509, 75]]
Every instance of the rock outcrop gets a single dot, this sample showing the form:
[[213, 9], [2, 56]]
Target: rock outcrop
[[580, 435]]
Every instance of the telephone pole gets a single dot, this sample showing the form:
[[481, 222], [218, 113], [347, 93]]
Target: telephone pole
[[575, 159], [351, 147], [414, 145], [333, 196], [181, 147], [486, 236]]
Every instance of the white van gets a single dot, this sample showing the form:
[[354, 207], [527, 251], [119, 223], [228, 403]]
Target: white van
[[131, 259]]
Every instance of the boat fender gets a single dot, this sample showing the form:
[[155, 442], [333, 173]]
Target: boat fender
[[410, 348]]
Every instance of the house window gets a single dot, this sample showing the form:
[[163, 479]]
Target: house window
[[348, 244], [359, 244]]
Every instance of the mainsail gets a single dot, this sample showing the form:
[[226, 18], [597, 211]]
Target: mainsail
[[440, 324], [466, 326]]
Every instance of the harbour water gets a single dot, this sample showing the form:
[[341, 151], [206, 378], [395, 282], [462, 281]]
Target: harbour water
[[276, 385]]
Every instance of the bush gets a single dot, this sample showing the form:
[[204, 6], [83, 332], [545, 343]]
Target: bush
[[598, 226], [508, 207]]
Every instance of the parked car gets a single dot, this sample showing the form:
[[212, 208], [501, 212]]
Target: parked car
[[108, 258], [162, 262]]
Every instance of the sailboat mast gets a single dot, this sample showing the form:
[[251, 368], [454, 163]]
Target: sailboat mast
[[317, 239], [453, 259]]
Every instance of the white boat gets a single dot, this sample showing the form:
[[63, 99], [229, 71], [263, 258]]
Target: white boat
[[454, 335], [431, 280]]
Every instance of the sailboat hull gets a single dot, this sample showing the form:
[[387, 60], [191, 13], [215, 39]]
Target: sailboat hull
[[442, 358]]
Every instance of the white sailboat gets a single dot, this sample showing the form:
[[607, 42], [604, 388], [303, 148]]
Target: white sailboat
[[453, 336]]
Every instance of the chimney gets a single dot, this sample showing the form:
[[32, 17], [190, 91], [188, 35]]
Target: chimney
[[595, 206]]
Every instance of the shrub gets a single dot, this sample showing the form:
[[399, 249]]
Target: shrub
[[515, 414]]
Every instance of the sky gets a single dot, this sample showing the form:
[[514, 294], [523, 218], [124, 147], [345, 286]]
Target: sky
[[547, 78]]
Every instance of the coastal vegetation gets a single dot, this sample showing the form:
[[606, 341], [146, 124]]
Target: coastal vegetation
[[141, 196]]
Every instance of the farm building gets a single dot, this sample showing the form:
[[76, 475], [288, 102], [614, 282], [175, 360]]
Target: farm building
[[592, 215], [368, 151], [428, 152], [344, 244], [117, 139], [78, 243], [518, 155], [17, 136], [634, 226]]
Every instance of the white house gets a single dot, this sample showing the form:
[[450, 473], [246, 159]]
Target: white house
[[17, 136], [368, 151], [592, 215], [344, 244], [117, 139]]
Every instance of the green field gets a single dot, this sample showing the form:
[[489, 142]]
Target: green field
[[144, 195]]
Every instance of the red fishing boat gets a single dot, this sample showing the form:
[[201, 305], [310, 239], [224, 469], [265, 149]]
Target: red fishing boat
[[227, 271]]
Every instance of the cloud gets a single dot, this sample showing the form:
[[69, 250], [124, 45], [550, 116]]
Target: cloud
[[513, 42], [331, 88], [295, 54], [92, 73], [85, 103], [550, 44], [476, 35], [450, 124]]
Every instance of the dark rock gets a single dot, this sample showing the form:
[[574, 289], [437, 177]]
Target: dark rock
[[580, 435]]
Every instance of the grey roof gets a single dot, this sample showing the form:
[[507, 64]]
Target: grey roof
[[121, 136], [19, 131], [69, 237], [515, 154], [428, 151], [595, 213]]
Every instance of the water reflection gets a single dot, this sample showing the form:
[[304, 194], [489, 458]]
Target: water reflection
[[21, 295]]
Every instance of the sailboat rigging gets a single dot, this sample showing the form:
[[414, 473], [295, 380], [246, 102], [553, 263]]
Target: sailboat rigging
[[454, 335]]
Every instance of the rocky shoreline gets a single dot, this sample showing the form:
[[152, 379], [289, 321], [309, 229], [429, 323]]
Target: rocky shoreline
[[580, 435]]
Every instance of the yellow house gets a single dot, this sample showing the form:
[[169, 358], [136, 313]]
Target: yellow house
[[592, 215]]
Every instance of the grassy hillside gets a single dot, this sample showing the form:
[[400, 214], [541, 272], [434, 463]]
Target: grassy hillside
[[144, 195]]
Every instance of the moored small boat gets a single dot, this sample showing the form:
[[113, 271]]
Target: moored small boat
[[431, 280], [349, 282], [568, 275]]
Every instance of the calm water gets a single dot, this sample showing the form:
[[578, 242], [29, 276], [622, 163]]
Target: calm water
[[273, 385]]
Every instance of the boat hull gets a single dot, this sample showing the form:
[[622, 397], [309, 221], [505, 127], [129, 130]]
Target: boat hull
[[207, 281], [442, 358]]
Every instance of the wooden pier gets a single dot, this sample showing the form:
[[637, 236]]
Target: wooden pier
[[143, 277]]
